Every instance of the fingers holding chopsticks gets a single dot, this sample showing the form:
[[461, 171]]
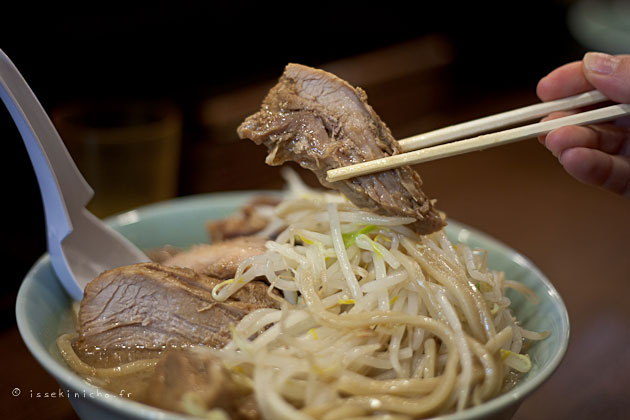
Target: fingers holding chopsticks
[[594, 167], [465, 137], [610, 74], [595, 154], [566, 80], [607, 73], [607, 138]]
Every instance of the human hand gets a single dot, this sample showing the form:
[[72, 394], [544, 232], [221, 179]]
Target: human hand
[[596, 154]]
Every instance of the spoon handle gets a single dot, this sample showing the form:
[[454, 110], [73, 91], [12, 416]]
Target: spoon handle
[[63, 188], [80, 245]]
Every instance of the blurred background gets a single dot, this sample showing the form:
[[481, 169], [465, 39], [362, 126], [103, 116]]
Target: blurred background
[[423, 68]]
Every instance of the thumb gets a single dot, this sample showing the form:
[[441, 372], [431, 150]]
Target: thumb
[[609, 74]]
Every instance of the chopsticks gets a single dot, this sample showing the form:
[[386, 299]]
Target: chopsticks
[[438, 150], [504, 119]]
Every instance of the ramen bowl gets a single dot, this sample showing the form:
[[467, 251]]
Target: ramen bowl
[[44, 309]]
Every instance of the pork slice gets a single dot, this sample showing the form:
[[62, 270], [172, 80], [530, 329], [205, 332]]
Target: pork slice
[[242, 224], [248, 221], [162, 253], [321, 122], [201, 379], [150, 306], [219, 259]]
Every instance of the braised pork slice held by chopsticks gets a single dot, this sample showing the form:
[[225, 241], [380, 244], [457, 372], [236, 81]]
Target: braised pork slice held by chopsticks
[[318, 120]]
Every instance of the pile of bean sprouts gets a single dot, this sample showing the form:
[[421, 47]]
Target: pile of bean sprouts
[[376, 321]]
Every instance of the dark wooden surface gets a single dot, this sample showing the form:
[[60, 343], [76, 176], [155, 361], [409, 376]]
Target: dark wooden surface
[[576, 234]]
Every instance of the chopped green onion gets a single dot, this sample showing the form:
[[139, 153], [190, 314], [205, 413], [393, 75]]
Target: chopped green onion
[[519, 362], [304, 240], [350, 237], [313, 333], [218, 287], [376, 247], [347, 301]]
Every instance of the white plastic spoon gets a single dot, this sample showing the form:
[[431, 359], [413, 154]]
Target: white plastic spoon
[[80, 245]]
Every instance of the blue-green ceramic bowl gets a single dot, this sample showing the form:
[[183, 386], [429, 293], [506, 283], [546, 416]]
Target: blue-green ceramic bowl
[[44, 309]]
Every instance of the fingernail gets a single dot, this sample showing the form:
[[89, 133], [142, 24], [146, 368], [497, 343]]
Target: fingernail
[[600, 63], [547, 144]]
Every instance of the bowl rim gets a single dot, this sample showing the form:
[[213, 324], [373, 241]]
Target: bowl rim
[[136, 409]]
